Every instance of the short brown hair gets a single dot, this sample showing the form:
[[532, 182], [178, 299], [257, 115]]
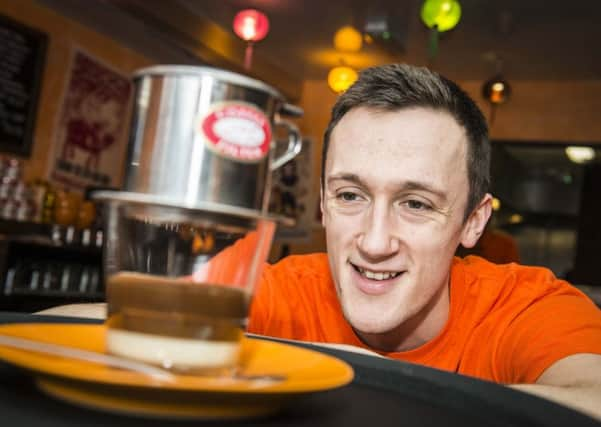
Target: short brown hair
[[398, 86]]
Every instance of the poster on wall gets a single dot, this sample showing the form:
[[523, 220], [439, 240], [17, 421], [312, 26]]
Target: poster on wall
[[22, 57], [293, 195], [91, 134]]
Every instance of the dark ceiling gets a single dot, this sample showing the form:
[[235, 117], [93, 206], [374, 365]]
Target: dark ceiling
[[525, 39], [533, 39]]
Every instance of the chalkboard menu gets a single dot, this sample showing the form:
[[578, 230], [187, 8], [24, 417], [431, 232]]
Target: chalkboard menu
[[22, 55]]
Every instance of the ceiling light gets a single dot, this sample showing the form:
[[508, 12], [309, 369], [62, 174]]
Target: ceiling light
[[516, 218], [348, 39], [580, 154], [252, 26], [496, 204], [341, 78], [498, 87], [496, 90], [441, 14]]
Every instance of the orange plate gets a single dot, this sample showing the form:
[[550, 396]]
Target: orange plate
[[94, 385]]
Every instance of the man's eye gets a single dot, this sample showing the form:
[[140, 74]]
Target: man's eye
[[417, 205], [347, 196]]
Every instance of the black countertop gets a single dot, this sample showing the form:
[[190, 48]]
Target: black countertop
[[384, 392]]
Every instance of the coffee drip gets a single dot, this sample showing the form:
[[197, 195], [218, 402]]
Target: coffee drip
[[189, 233]]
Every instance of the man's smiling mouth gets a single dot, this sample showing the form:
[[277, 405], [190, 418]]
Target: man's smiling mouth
[[376, 275]]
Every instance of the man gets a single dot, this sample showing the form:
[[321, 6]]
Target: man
[[405, 175]]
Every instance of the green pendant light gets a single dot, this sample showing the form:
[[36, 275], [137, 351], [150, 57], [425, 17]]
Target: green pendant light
[[440, 15]]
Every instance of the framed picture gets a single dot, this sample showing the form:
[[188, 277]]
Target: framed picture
[[91, 136], [23, 53]]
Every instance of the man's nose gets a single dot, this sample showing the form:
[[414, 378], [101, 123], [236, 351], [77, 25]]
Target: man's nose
[[378, 237]]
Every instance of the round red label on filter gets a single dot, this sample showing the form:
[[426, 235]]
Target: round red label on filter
[[239, 131]]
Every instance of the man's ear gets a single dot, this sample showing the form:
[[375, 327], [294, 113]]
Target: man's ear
[[474, 225], [321, 204]]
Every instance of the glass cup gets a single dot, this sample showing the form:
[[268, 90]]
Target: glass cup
[[179, 284]]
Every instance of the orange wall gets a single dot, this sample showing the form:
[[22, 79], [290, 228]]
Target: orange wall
[[566, 111], [563, 111], [64, 35]]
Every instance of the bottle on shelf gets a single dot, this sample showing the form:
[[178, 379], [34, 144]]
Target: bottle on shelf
[[47, 214]]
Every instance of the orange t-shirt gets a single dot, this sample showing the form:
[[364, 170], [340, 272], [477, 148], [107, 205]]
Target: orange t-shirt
[[507, 323]]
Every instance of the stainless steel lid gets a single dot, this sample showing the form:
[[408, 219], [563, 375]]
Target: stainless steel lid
[[190, 70]]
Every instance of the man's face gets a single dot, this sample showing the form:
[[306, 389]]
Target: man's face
[[393, 204]]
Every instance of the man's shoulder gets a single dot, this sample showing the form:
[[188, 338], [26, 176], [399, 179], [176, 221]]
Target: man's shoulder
[[510, 278], [519, 319], [480, 268]]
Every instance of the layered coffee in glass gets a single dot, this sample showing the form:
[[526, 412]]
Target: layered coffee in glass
[[179, 283]]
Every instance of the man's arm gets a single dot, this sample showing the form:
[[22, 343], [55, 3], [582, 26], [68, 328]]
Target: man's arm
[[574, 381]]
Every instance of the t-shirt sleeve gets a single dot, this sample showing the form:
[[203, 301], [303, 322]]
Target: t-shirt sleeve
[[547, 330]]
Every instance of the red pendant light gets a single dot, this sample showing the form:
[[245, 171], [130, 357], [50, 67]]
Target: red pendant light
[[252, 26]]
